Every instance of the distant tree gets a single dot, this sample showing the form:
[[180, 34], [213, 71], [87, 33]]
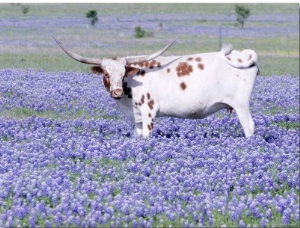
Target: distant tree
[[25, 9], [139, 32], [92, 15], [242, 13]]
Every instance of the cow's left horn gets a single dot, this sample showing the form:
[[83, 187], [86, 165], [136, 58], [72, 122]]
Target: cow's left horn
[[78, 57], [144, 58]]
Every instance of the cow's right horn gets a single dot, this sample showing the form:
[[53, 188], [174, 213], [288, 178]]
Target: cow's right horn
[[144, 58], [78, 57]]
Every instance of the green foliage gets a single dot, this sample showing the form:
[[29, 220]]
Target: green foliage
[[25, 9], [141, 33], [21, 113], [288, 125], [242, 13], [92, 15]]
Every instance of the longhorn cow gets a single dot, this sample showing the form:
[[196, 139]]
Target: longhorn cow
[[190, 86]]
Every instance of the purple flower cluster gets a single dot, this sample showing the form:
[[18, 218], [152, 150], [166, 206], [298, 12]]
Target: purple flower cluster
[[61, 93], [82, 166]]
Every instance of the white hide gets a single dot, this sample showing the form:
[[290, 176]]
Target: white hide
[[191, 86]]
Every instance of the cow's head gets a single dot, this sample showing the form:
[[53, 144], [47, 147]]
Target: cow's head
[[114, 69]]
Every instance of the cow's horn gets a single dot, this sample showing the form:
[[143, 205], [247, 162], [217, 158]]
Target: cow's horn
[[78, 57], [144, 58]]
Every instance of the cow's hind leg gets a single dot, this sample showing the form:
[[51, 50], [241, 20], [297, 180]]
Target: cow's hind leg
[[245, 118]]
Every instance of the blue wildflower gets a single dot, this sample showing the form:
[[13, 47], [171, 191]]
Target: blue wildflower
[[242, 223]]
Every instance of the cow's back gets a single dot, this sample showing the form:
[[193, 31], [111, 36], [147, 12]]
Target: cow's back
[[191, 86]]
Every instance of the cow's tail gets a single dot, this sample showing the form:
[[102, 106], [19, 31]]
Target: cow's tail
[[238, 59]]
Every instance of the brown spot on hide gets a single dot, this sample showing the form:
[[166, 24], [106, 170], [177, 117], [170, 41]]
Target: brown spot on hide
[[182, 85], [158, 64], [190, 58], [106, 81], [143, 99], [198, 59], [228, 58], [168, 70], [141, 64], [148, 96], [240, 60], [201, 66], [136, 103], [150, 104], [146, 64], [149, 115], [130, 71], [184, 69], [140, 104], [149, 127], [152, 64], [114, 58], [152, 124], [142, 73]]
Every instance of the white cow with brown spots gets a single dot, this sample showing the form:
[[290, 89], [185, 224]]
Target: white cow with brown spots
[[191, 86]]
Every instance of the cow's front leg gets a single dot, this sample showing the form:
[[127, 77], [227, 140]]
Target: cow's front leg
[[148, 111], [146, 108], [138, 129], [144, 128], [148, 125]]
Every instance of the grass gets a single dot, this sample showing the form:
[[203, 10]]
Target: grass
[[33, 47], [288, 125], [14, 10], [21, 113], [270, 63]]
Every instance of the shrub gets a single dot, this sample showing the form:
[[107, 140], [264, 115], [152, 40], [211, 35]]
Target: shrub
[[242, 13], [25, 9], [92, 15], [140, 33]]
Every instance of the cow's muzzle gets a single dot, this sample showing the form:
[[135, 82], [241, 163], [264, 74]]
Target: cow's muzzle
[[117, 93]]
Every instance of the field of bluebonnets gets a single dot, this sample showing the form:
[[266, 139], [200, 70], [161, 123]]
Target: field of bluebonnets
[[68, 156]]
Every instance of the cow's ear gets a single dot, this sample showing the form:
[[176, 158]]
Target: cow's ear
[[130, 71], [97, 70]]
